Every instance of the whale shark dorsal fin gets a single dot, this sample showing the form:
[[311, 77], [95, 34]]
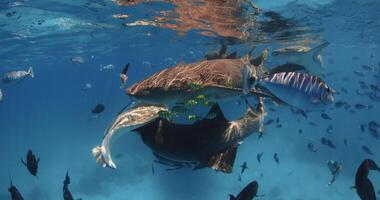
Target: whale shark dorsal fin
[[223, 161]]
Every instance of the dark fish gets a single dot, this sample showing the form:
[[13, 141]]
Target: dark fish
[[259, 155], [363, 185], [312, 124], [345, 141], [355, 58], [279, 125], [31, 163], [335, 169], [153, 171], [367, 67], [311, 147], [328, 143], [66, 192], [373, 125], [329, 129], [362, 128], [15, 194], [358, 73], [277, 120], [374, 88], [300, 131], [326, 116], [270, 121], [124, 74], [98, 109], [276, 158], [239, 177], [243, 167], [331, 144], [367, 150], [340, 103], [374, 133], [361, 106], [248, 193]]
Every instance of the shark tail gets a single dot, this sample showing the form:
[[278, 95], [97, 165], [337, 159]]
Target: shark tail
[[102, 158], [30, 72]]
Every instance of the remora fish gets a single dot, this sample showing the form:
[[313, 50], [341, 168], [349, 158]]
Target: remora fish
[[307, 57], [17, 76]]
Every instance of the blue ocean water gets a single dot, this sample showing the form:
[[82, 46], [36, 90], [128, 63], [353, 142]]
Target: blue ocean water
[[51, 113]]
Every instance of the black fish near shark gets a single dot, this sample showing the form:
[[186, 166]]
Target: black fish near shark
[[15, 194], [248, 193], [363, 185], [243, 167], [31, 163], [66, 192]]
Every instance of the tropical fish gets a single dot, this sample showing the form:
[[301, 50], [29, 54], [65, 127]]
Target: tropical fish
[[248, 193], [16, 76], [367, 150], [311, 147], [300, 90], [243, 167], [335, 169], [15, 194], [259, 155], [276, 158], [31, 163], [326, 116], [361, 106], [98, 109]]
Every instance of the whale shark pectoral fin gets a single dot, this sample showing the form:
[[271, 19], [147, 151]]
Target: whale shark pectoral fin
[[223, 161]]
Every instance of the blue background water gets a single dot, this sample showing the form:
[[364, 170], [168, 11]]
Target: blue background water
[[51, 115]]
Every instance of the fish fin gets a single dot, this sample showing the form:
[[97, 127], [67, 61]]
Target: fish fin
[[223, 161], [233, 55], [125, 70], [315, 52], [223, 49], [232, 197], [23, 162], [30, 72]]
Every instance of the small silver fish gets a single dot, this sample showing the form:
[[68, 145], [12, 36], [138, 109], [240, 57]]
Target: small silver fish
[[107, 67], [16, 76], [1, 95], [78, 60]]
